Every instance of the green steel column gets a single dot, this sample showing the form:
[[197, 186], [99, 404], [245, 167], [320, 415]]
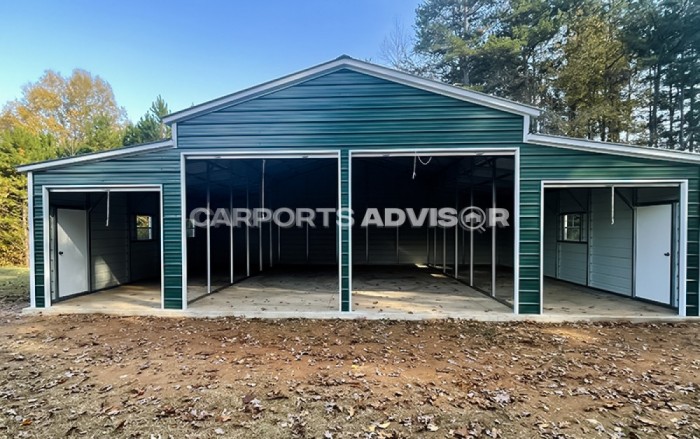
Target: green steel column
[[344, 233], [39, 246], [530, 210], [172, 242], [693, 238]]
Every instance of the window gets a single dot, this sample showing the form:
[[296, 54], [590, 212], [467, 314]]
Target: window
[[572, 227], [190, 228], [143, 228]]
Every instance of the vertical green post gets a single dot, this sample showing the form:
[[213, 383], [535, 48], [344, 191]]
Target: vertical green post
[[530, 247], [172, 251], [38, 236], [344, 226], [692, 307]]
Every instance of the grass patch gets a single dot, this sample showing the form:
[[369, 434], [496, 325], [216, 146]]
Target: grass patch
[[14, 284]]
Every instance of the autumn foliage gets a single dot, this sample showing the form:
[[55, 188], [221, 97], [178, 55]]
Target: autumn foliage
[[57, 116]]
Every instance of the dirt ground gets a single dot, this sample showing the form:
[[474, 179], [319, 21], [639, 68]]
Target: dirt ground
[[98, 376]]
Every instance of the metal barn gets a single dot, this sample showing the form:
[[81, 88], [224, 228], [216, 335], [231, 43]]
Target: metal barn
[[593, 229]]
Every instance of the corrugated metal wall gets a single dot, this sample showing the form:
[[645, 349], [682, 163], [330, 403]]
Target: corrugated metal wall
[[382, 183], [609, 261], [291, 184], [347, 110], [115, 258], [551, 218], [606, 260], [109, 245], [611, 245], [572, 257], [162, 167], [345, 231]]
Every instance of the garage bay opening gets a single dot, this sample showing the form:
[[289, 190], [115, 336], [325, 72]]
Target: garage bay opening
[[453, 251], [613, 249], [270, 244], [104, 248]]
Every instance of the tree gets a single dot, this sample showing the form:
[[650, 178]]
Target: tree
[[498, 47], [603, 69], [516, 59], [662, 35], [56, 116], [101, 134], [150, 127], [68, 108], [397, 49], [17, 146], [594, 76], [450, 32]]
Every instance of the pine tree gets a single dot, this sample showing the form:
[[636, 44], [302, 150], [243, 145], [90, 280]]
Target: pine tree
[[150, 127]]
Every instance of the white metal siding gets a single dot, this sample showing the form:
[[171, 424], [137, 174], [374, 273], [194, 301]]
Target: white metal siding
[[551, 216], [571, 260], [610, 245], [571, 257]]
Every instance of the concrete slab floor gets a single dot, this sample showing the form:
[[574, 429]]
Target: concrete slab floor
[[137, 299], [570, 299], [376, 290], [279, 289], [564, 298], [197, 285], [379, 292], [410, 289]]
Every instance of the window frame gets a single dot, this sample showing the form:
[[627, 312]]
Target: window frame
[[190, 229], [136, 228], [582, 228]]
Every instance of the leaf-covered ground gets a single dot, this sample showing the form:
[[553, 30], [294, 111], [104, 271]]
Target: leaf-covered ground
[[14, 286], [100, 376]]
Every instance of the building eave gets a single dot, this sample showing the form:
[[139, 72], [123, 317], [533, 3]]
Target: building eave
[[612, 148], [97, 156]]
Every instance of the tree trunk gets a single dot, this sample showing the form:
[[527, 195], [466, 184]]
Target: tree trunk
[[629, 100], [693, 121], [603, 130], [653, 123], [681, 104], [671, 118]]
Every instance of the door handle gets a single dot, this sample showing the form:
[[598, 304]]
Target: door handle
[[60, 253], [667, 254]]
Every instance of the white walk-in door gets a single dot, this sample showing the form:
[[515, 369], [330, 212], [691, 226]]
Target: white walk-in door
[[653, 237], [72, 248]]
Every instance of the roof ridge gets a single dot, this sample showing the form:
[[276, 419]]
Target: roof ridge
[[364, 67]]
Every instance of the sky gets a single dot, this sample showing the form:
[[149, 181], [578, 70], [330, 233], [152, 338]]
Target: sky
[[187, 51]]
